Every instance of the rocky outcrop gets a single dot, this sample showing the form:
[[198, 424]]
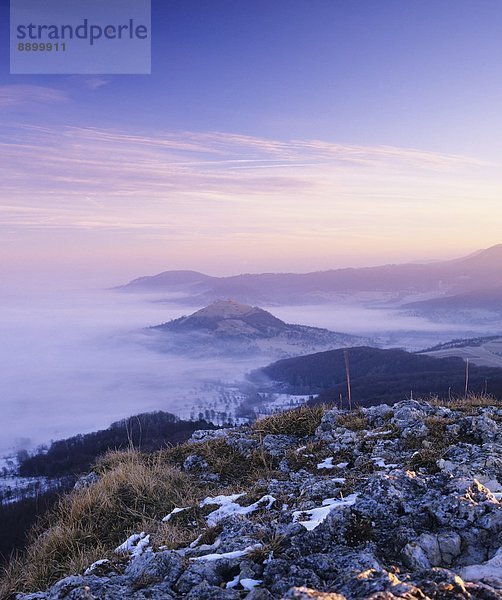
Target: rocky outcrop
[[384, 503]]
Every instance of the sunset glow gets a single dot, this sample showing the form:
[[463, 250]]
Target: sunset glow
[[118, 176]]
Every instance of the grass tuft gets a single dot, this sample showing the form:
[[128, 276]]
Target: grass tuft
[[354, 420], [222, 459], [467, 404], [301, 421]]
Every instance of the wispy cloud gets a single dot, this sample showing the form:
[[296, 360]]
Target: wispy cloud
[[198, 185], [94, 83], [15, 96], [226, 147]]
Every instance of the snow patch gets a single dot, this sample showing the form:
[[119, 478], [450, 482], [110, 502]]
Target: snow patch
[[371, 434], [175, 511], [233, 583], [135, 544], [310, 519], [90, 570], [228, 507], [380, 462], [228, 555], [249, 584], [221, 500], [195, 542]]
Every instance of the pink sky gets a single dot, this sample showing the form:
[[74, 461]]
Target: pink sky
[[121, 203]]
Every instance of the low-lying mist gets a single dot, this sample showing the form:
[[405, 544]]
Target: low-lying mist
[[71, 365], [71, 362]]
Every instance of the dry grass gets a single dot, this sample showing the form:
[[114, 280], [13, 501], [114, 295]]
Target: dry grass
[[114, 459], [426, 459], [437, 426], [136, 490], [171, 535], [467, 404], [308, 457], [430, 450], [354, 420], [355, 478], [133, 493], [360, 530], [222, 459], [272, 544], [438, 438], [302, 421]]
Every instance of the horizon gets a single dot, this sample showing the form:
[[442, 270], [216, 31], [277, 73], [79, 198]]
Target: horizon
[[256, 146], [388, 264], [110, 281]]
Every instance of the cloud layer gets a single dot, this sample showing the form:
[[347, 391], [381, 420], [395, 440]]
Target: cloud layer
[[217, 188]]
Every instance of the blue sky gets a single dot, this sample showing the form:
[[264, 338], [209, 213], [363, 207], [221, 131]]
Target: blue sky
[[303, 89]]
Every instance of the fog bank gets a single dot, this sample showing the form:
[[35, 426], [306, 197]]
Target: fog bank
[[71, 362]]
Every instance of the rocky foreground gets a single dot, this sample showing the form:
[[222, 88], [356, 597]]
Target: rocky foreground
[[382, 503]]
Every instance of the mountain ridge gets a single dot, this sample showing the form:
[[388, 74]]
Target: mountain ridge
[[475, 271]]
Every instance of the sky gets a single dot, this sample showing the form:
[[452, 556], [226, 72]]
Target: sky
[[277, 135]]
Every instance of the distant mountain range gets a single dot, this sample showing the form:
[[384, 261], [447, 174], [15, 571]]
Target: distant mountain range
[[377, 376], [481, 305], [229, 327], [467, 275]]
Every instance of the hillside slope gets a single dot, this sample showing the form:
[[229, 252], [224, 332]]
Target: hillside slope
[[385, 503], [228, 327], [379, 375]]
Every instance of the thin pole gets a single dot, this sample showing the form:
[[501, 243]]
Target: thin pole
[[466, 377], [347, 372]]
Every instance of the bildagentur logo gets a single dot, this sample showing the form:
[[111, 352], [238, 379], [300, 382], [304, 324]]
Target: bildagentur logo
[[80, 36]]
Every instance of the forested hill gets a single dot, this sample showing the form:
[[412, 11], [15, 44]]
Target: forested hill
[[380, 375], [147, 432]]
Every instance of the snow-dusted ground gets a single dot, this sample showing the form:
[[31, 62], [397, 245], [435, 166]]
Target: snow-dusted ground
[[279, 402], [488, 354], [14, 488]]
